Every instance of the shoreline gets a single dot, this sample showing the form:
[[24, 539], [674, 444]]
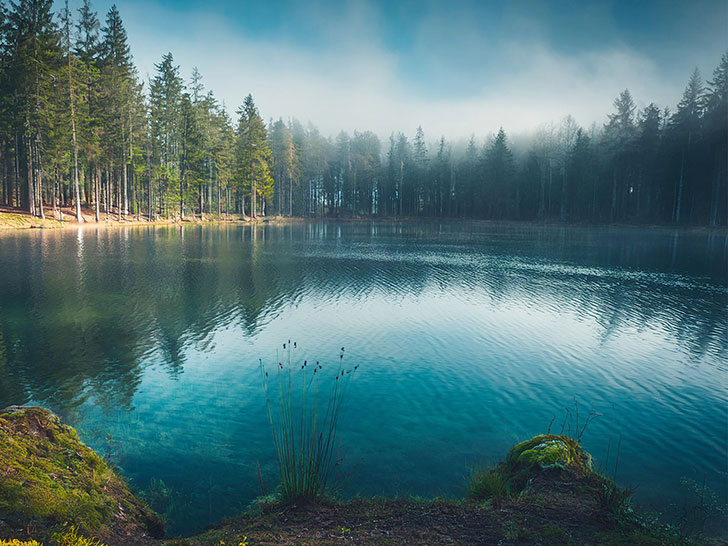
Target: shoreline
[[12, 220], [554, 495]]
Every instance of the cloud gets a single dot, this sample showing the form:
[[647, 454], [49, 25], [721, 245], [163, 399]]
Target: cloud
[[350, 78]]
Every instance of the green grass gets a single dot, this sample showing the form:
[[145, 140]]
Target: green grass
[[488, 484], [611, 497]]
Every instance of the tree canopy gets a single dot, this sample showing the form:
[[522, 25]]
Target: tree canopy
[[79, 127]]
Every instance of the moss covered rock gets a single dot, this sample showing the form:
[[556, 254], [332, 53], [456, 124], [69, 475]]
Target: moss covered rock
[[548, 451], [50, 480]]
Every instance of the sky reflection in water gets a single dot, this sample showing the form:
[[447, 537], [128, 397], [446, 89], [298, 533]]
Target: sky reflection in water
[[470, 337]]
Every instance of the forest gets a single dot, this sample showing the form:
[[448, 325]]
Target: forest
[[79, 128]]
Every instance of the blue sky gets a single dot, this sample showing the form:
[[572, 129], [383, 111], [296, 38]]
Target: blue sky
[[455, 67]]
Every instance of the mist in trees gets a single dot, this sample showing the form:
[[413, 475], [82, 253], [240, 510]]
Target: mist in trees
[[79, 128]]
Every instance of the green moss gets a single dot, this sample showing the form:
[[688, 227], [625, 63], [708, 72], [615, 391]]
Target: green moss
[[47, 474], [549, 451]]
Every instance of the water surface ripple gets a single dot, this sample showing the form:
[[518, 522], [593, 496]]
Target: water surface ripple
[[469, 337]]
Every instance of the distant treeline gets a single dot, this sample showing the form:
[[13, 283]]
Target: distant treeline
[[77, 126]]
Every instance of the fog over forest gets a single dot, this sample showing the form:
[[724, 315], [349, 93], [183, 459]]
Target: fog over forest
[[498, 115]]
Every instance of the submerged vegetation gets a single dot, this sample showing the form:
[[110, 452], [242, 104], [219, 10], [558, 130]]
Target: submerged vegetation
[[304, 417]]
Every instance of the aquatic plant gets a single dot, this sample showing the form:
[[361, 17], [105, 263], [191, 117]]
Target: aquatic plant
[[304, 425], [700, 506], [159, 497]]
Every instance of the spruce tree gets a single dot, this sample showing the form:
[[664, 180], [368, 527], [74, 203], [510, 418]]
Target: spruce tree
[[253, 155]]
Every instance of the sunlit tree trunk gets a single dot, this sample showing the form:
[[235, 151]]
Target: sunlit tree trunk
[[97, 194], [122, 191]]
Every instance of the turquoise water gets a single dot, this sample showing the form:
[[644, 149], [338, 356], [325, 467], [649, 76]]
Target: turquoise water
[[469, 337]]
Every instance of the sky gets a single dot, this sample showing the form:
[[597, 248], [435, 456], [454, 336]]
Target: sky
[[455, 67]]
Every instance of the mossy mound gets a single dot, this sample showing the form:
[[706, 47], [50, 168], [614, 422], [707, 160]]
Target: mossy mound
[[49, 480], [548, 451], [543, 454]]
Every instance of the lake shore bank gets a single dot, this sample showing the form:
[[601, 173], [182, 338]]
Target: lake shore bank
[[16, 219], [54, 489]]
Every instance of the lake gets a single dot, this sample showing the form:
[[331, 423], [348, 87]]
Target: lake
[[469, 337]]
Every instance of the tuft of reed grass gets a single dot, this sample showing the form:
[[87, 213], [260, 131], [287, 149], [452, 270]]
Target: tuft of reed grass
[[304, 416], [489, 484], [611, 497]]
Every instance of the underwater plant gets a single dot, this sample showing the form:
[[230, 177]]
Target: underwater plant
[[700, 508]]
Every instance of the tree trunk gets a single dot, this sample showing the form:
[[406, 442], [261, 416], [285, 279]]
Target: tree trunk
[[217, 184], [563, 196], [97, 194], [613, 213], [131, 165], [118, 188], [715, 190], [31, 177], [678, 199], [39, 189], [123, 191], [542, 200], [149, 185], [76, 189], [253, 193]]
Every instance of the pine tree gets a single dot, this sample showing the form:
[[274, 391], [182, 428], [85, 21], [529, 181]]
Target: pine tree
[[619, 135], [165, 111], [71, 63], [32, 73], [87, 49], [284, 162], [716, 130], [117, 73], [686, 125], [421, 164], [499, 171], [649, 140], [192, 154], [253, 155]]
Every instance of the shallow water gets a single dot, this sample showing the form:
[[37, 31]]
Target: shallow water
[[469, 337]]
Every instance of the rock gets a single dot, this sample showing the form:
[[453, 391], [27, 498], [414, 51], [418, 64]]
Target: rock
[[50, 480]]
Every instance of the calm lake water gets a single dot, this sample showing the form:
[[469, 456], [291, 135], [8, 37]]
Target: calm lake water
[[469, 337]]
